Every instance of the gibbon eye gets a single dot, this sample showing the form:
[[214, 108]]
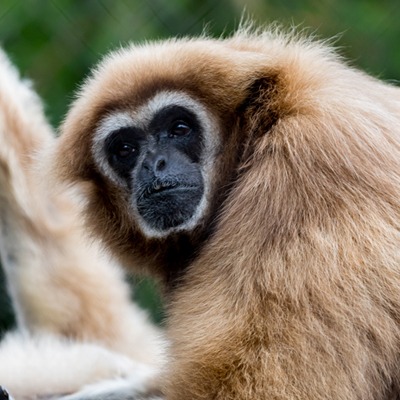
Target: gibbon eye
[[180, 128], [124, 150]]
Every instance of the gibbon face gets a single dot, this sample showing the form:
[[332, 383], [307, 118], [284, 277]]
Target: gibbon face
[[158, 155]]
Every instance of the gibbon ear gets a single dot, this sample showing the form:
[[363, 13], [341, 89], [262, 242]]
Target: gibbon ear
[[262, 107]]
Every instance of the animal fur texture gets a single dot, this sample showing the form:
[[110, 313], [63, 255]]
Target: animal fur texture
[[289, 287], [76, 324]]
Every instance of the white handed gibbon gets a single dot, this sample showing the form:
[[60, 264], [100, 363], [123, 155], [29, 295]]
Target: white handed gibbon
[[76, 325], [259, 177]]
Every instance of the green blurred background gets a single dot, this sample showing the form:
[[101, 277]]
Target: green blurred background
[[56, 42]]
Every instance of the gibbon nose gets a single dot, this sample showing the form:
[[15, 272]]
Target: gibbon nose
[[156, 164]]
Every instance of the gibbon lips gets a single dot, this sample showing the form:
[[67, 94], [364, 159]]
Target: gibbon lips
[[165, 205]]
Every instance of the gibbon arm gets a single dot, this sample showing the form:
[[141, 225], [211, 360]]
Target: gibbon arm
[[75, 322]]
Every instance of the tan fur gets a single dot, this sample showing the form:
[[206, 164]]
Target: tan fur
[[296, 293], [76, 323]]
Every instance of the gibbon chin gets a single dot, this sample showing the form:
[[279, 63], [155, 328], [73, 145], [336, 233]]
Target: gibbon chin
[[258, 177], [76, 325]]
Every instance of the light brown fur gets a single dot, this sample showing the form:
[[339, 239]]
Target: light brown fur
[[76, 324], [295, 294]]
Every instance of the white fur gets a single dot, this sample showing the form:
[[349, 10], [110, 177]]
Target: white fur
[[129, 388], [48, 365]]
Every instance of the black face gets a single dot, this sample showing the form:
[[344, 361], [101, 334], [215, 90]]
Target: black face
[[161, 166]]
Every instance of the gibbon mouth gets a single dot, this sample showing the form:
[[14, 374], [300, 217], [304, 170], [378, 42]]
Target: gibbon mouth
[[160, 187], [166, 205]]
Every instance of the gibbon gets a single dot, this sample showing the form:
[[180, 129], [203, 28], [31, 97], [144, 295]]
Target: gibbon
[[258, 177], [76, 325]]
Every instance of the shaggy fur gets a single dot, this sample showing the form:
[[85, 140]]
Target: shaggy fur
[[76, 324], [290, 286]]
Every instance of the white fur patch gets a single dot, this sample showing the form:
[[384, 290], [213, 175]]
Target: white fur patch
[[47, 365]]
